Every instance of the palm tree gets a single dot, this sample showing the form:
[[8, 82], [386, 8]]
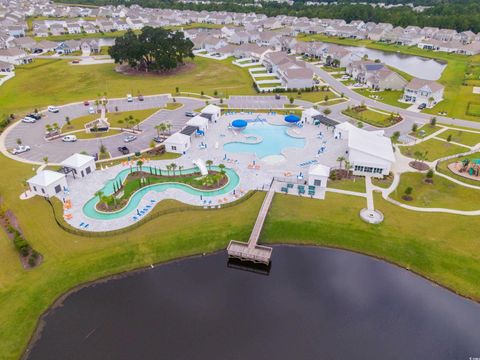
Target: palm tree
[[19, 141], [340, 160], [169, 167], [180, 167], [327, 111], [209, 163], [430, 101], [348, 167], [173, 166], [45, 160], [222, 168], [168, 126], [140, 164]]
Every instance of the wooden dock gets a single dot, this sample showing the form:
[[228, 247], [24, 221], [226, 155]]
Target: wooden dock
[[251, 251]]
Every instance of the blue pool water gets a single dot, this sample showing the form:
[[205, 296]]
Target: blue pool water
[[90, 210], [274, 140]]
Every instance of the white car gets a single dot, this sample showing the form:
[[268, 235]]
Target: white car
[[130, 138], [357, 85], [345, 77], [53, 109], [20, 149], [91, 110], [129, 97], [69, 138], [29, 120]]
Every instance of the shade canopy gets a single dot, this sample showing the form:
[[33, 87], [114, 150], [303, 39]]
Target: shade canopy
[[239, 124], [292, 118]]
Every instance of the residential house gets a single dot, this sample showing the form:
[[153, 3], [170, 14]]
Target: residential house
[[16, 31], [73, 27], [420, 91], [6, 67], [375, 75], [14, 56], [57, 29]]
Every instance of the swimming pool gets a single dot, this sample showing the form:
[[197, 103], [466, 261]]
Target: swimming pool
[[274, 140], [90, 210]]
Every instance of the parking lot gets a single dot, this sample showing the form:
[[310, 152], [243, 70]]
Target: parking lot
[[257, 102], [57, 150]]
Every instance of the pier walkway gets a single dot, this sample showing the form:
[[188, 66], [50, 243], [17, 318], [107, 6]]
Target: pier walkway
[[251, 251]]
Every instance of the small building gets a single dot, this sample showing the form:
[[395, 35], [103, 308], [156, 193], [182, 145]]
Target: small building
[[309, 114], [370, 153], [200, 122], [177, 143], [47, 183], [79, 165], [342, 130], [211, 112], [318, 175]]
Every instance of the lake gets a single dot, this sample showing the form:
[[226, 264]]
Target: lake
[[417, 66], [316, 303]]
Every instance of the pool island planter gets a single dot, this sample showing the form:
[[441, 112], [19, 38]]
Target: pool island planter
[[223, 183]]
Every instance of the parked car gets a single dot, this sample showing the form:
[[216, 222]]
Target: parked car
[[86, 103], [28, 119], [277, 96], [129, 138], [345, 77], [76, 61], [159, 139], [140, 98], [69, 138], [191, 114], [91, 110], [20, 149], [35, 116], [422, 106], [129, 97], [53, 109], [124, 150], [357, 85]]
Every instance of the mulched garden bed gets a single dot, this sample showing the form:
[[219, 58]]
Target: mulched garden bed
[[418, 165]]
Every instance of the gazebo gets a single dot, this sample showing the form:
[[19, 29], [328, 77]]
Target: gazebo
[[239, 124], [292, 119]]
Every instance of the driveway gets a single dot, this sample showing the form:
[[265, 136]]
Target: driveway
[[57, 150]]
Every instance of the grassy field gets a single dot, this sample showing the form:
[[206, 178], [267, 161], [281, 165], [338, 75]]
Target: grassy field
[[443, 193], [353, 184], [461, 137], [449, 255], [370, 117], [426, 129], [388, 97], [436, 149], [457, 95], [46, 82]]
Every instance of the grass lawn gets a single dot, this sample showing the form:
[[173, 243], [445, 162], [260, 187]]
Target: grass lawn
[[96, 135], [427, 130], [332, 102], [443, 193], [370, 117], [449, 255], [457, 96], [116, 119], [383, 182], [462, 137], [436, 149], [260, 78], [46, 82], [313, 96], [354, 184], [443, 168], [388, 97]]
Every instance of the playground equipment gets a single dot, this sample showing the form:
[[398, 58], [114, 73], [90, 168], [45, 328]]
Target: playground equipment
[[471, 167]]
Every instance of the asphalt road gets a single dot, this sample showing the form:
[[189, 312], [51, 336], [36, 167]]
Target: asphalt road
[[57, 150], [409, 116]]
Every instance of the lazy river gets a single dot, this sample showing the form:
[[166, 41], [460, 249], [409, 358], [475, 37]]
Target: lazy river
[[89, 209], [316, 304]]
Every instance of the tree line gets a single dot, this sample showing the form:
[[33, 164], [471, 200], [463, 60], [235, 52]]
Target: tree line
[[460, 15]]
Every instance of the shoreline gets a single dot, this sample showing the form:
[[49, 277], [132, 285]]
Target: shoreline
[[58, 302]]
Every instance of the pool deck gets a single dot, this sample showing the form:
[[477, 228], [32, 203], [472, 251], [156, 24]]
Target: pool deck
[[254, 173]]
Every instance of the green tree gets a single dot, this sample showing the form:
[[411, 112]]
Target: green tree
[[433, 121], [414, 127], [327, 111], [173, 166], [154, 49], [209, 164], [340, 160]]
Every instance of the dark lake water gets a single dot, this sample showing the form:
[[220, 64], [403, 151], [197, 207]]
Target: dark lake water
[[315, 304]]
